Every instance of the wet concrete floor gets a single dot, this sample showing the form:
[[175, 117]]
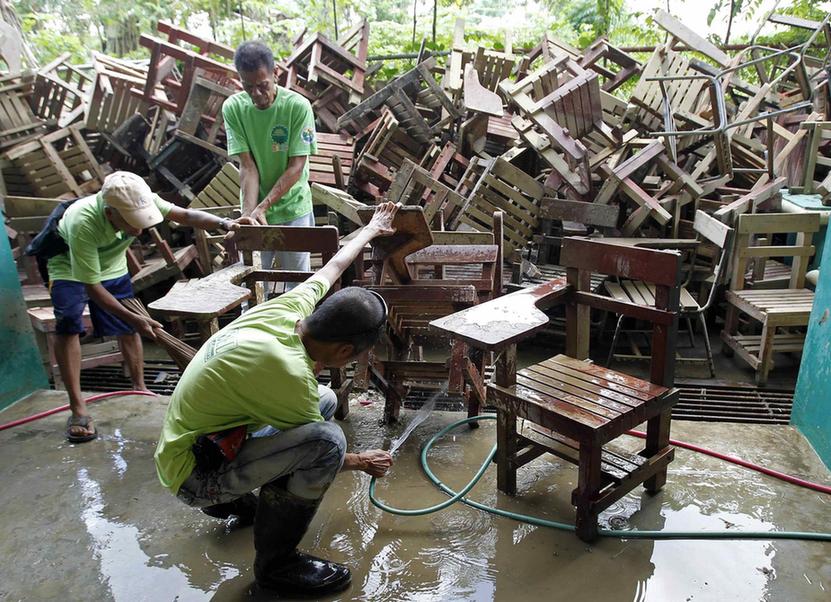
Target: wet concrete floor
[[92, 522]]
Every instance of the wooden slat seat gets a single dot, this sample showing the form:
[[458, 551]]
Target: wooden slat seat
[[787, 304], [643, 293]]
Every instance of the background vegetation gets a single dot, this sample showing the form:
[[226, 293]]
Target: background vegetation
[[113, 26]]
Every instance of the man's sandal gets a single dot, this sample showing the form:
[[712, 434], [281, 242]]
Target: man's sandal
[[83, 422]]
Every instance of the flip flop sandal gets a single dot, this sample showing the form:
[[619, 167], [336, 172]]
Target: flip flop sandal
[[83, 422]]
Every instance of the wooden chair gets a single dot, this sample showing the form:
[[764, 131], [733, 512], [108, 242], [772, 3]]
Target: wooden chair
[[708, 231], [332, 165], [565, 102], [437, 280], [414, 185], [177, 87], [206, 299], [786, 309], [572, 217], [18, 123], [570, 407], [317, 64], [421, 108], [92, 354], [60, 92], [503, 187], [665, 203], [57, 163], [164, 262], [384, 153], [112, 100]]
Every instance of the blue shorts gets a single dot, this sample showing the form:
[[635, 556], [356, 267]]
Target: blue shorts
[[70, 297]]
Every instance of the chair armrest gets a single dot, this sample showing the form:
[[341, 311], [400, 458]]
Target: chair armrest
[[505, 320]]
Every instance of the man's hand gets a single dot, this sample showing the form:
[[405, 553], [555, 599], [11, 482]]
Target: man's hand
[[381, 222], [146, 327], [375, 462], [258, 215], [237, 223]]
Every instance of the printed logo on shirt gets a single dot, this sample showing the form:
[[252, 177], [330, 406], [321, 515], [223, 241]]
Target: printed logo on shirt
[[308, 134], [279, 138], [222, 342]]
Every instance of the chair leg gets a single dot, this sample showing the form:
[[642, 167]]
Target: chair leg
[[657, 438], [731, 327], [690, 331], [765, 353], [707, 347], [614, 341], [588, 484], [506, 452]]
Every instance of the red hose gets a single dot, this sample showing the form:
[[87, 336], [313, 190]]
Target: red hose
[[696, 448], [46, 413], [733, 459]]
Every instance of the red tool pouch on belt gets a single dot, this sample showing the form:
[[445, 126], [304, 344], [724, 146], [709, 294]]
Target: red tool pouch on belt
[[215, 449]]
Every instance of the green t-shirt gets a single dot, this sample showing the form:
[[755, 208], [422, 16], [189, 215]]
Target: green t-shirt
[[254, 371], [285, 129], [97, 252]]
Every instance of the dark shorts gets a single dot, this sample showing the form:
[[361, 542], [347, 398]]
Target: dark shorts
[[69, 299]]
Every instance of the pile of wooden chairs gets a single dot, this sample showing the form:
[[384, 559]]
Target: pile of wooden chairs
[[653, 151]]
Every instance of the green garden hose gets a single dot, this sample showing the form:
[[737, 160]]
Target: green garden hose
[[540, 522]]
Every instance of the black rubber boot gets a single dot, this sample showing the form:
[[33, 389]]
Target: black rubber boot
[[244, 508], [282, 520]]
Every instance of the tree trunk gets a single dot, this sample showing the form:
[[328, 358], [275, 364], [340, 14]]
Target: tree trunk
[[730, 22], [9, 16]]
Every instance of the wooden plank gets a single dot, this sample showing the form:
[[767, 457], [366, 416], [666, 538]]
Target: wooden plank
[[575, 211]]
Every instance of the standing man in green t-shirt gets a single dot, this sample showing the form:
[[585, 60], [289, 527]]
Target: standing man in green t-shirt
[[271, 130], [97, 230]]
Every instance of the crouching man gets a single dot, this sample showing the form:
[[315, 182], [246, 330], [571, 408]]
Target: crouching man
[[259, 372]]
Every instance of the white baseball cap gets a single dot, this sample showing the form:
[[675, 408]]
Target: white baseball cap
[[130, 195]]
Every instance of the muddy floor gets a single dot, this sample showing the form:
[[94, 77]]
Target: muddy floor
[[92, 522]]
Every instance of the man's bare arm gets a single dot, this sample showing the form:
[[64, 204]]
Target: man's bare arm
[[201, 219], [249, 179], [294, 169], [103, 298], [380, 225]]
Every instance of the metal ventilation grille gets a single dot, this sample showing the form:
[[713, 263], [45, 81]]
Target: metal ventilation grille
[[705, 401], [733, 403]]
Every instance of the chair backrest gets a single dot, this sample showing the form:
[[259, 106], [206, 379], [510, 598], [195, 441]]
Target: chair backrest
[[332, 164], [582, 256], [250, 240], [575, 105], [751, 226], [711, 230], [464, 258]]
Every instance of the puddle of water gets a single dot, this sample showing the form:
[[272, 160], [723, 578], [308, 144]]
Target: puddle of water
[[123, 563]]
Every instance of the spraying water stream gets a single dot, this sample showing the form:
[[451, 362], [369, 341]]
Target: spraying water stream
[[420, 416]]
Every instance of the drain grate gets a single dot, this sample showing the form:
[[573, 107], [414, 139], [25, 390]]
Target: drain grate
[[704, 401], [733, 403]]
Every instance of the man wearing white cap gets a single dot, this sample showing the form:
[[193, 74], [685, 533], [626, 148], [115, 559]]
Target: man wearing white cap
[[97, 230]]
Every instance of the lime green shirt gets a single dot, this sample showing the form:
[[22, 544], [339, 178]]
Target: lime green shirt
[[285, 129], [254, 371], [97, 252]]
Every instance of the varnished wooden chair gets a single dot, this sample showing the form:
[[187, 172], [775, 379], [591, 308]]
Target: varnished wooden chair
[[569, 406]]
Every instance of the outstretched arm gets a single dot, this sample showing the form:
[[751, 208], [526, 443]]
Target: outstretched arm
[[380, 225]]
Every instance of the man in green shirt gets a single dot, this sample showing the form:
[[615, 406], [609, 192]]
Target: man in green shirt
[[271, 130], [97, 230], [259, 372]]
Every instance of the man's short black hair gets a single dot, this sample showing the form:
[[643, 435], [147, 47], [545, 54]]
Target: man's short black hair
[[352, 315], [252, 55]]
